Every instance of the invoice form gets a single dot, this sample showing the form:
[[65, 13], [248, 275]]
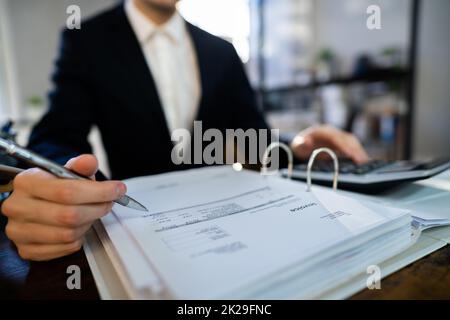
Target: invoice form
[[210, 231]]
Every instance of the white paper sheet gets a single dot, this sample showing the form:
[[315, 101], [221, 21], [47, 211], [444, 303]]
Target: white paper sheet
[[213, 230]]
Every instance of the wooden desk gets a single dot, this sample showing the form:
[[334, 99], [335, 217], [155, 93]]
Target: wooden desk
[[428, 278]]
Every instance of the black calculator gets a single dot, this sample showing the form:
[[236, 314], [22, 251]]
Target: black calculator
[[371, 177]]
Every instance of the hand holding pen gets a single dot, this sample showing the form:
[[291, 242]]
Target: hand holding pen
[[48, 216], [35, 160]]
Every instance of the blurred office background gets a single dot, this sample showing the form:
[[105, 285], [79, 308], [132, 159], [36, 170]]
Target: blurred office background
[[310, 61]]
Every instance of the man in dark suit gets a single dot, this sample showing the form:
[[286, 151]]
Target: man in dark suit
[[138, 72]]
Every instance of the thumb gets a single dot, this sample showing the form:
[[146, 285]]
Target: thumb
[[86, 165]]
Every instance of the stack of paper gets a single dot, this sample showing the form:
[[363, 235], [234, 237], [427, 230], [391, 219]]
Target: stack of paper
[[216, 233], [427, 200]]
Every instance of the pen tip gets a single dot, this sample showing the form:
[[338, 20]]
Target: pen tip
[[129, 202], [136, 205]]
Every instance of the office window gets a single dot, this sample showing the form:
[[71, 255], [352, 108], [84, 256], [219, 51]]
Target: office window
[[228, 19], [287, 36]]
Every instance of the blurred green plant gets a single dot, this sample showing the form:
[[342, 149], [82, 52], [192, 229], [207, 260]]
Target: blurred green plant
[[389, 51], [392, 56], [35, 102], [325, 55]]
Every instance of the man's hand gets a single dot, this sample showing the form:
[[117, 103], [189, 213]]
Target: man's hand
[[48, 216], [345, 144]]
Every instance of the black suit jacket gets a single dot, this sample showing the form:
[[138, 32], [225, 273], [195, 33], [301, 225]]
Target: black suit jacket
[[102, 79]]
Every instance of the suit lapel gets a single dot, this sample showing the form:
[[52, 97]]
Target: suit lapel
[[136, 73]]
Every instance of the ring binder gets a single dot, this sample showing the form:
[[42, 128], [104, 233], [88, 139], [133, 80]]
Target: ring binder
[[313, 156], [311, 162], [265, 158], [146, 273]]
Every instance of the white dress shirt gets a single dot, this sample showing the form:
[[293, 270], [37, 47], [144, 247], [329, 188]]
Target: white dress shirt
[[170, 55]]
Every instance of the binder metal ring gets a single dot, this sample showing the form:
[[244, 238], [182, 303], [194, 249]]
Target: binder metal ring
[[311, 162], [286, 148]]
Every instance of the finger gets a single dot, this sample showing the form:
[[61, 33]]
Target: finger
[[346, 144], [53, 214], [323, 136], [341, 146], [355, 150], [42, 185], [86, 165], [39, 252], [33, 233]]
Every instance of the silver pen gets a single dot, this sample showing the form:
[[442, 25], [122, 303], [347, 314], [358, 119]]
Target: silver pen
[[36, 160]]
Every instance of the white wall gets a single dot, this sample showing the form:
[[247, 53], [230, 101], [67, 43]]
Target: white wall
[[9, 94], [4, 99], [341, 26], [34, 27], [432, 123]]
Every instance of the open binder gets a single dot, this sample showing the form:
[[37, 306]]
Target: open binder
[[216, 233]]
